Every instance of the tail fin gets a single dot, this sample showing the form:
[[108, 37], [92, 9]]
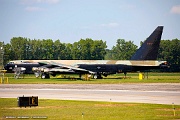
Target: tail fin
[[149, 49]]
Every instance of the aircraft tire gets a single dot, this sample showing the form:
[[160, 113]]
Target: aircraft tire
[[45, 76], [97, 76]]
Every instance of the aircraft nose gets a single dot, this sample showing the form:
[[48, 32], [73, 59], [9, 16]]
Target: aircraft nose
[[5, 67]]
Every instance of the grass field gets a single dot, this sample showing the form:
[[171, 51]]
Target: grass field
[[88, 110], [112, 79], [91, 110]]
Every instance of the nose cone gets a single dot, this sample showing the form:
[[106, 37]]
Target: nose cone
[[5, 67], [8, 67]]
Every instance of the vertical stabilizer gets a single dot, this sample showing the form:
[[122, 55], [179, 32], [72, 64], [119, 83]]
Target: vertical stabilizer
[[149, 49]]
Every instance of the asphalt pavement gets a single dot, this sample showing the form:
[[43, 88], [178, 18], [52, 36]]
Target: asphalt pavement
[[157, 93]]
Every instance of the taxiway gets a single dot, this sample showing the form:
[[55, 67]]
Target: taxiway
[[136, 93]]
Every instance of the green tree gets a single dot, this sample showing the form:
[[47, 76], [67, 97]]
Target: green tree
[[59, 52], [68, 51], [47, 49], [88, 49], [123, 50], [98, 50], [9, 54], [108, 55], [18, 45], [76, 51], [170, 51]]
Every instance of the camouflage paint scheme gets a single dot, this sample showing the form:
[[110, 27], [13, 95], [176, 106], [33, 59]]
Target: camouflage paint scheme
[[92, 62], [144, 59]]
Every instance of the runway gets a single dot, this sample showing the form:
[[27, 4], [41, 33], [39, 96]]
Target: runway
[[94, 93]]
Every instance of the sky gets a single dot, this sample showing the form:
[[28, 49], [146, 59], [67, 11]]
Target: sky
[[72, 20]]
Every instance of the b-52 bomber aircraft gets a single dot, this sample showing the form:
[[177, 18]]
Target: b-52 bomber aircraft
[[143, 59]]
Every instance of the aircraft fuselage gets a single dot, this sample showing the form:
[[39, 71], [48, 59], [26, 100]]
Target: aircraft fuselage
[[97, 66]]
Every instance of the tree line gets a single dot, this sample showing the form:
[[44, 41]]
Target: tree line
[[21, 48]]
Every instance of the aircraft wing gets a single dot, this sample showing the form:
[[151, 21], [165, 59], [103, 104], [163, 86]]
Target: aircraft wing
[[43, 63], [56, 67]]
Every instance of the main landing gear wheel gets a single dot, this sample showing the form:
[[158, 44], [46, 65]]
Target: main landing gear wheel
[[97, 76], [45, 76]]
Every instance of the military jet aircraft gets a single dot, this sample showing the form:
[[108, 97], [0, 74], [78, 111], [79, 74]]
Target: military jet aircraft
[[144, 59]]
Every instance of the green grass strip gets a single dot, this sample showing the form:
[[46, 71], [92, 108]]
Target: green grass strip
[[88, 110], [112, 79]]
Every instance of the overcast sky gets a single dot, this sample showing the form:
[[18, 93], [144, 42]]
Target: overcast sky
[[71, 20]]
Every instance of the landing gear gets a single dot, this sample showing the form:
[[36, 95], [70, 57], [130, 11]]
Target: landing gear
[[37, 74], [97, 76], [125, 73], [45, 76], [19, 71], [80, 76]]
